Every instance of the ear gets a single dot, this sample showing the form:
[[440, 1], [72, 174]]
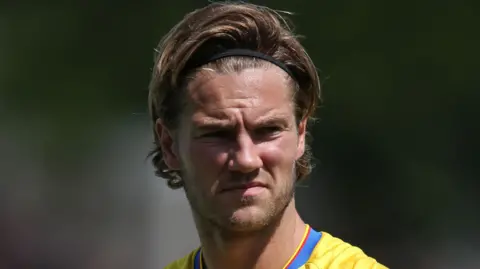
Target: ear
[[167, 145], [302, 132]]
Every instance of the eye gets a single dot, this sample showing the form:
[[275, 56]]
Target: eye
[[218, 134], [268, 131]]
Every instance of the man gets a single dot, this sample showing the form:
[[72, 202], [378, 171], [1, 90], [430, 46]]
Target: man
[[231, 94]]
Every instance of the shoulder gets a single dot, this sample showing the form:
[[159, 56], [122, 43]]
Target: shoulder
[[333, 253], [184, 263]]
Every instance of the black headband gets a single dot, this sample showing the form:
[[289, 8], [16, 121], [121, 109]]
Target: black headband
[[241, 52]]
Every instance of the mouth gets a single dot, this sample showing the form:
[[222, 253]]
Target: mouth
[[247, 189]]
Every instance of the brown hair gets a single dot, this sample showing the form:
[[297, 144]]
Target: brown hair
[[221, 26]]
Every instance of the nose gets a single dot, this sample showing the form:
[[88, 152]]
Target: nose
[[245, 157]]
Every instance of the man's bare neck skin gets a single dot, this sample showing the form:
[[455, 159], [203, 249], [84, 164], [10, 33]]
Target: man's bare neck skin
[[270, 248]]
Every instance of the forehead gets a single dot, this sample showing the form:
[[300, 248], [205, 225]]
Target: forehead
[[258, 90]]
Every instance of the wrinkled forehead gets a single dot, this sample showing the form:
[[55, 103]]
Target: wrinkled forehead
[[249, 88]]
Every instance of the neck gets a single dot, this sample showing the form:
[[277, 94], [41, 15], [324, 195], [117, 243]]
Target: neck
[[271, 247]]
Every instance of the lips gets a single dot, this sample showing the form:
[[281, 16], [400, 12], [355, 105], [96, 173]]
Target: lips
[[244, 186]]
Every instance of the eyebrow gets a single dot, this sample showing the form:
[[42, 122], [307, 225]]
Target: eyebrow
[[211, 123], [271, 119]]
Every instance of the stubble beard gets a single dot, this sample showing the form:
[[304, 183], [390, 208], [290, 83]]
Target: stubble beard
[[207, 213], [272, 212]]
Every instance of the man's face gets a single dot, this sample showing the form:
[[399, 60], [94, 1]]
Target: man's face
[[236, 147]]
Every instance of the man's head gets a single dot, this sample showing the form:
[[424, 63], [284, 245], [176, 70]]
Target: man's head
[[232, 131]]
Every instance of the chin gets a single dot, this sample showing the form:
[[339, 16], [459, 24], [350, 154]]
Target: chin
[[249, 219]]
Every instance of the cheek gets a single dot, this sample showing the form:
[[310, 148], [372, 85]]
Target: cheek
[[280, 154], [207, 156], [202, 163]]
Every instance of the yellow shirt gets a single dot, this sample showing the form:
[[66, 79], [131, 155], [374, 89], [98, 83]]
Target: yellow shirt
[[317, 250]]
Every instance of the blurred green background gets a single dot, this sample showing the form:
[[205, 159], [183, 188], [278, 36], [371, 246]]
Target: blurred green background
[[397, 146]]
